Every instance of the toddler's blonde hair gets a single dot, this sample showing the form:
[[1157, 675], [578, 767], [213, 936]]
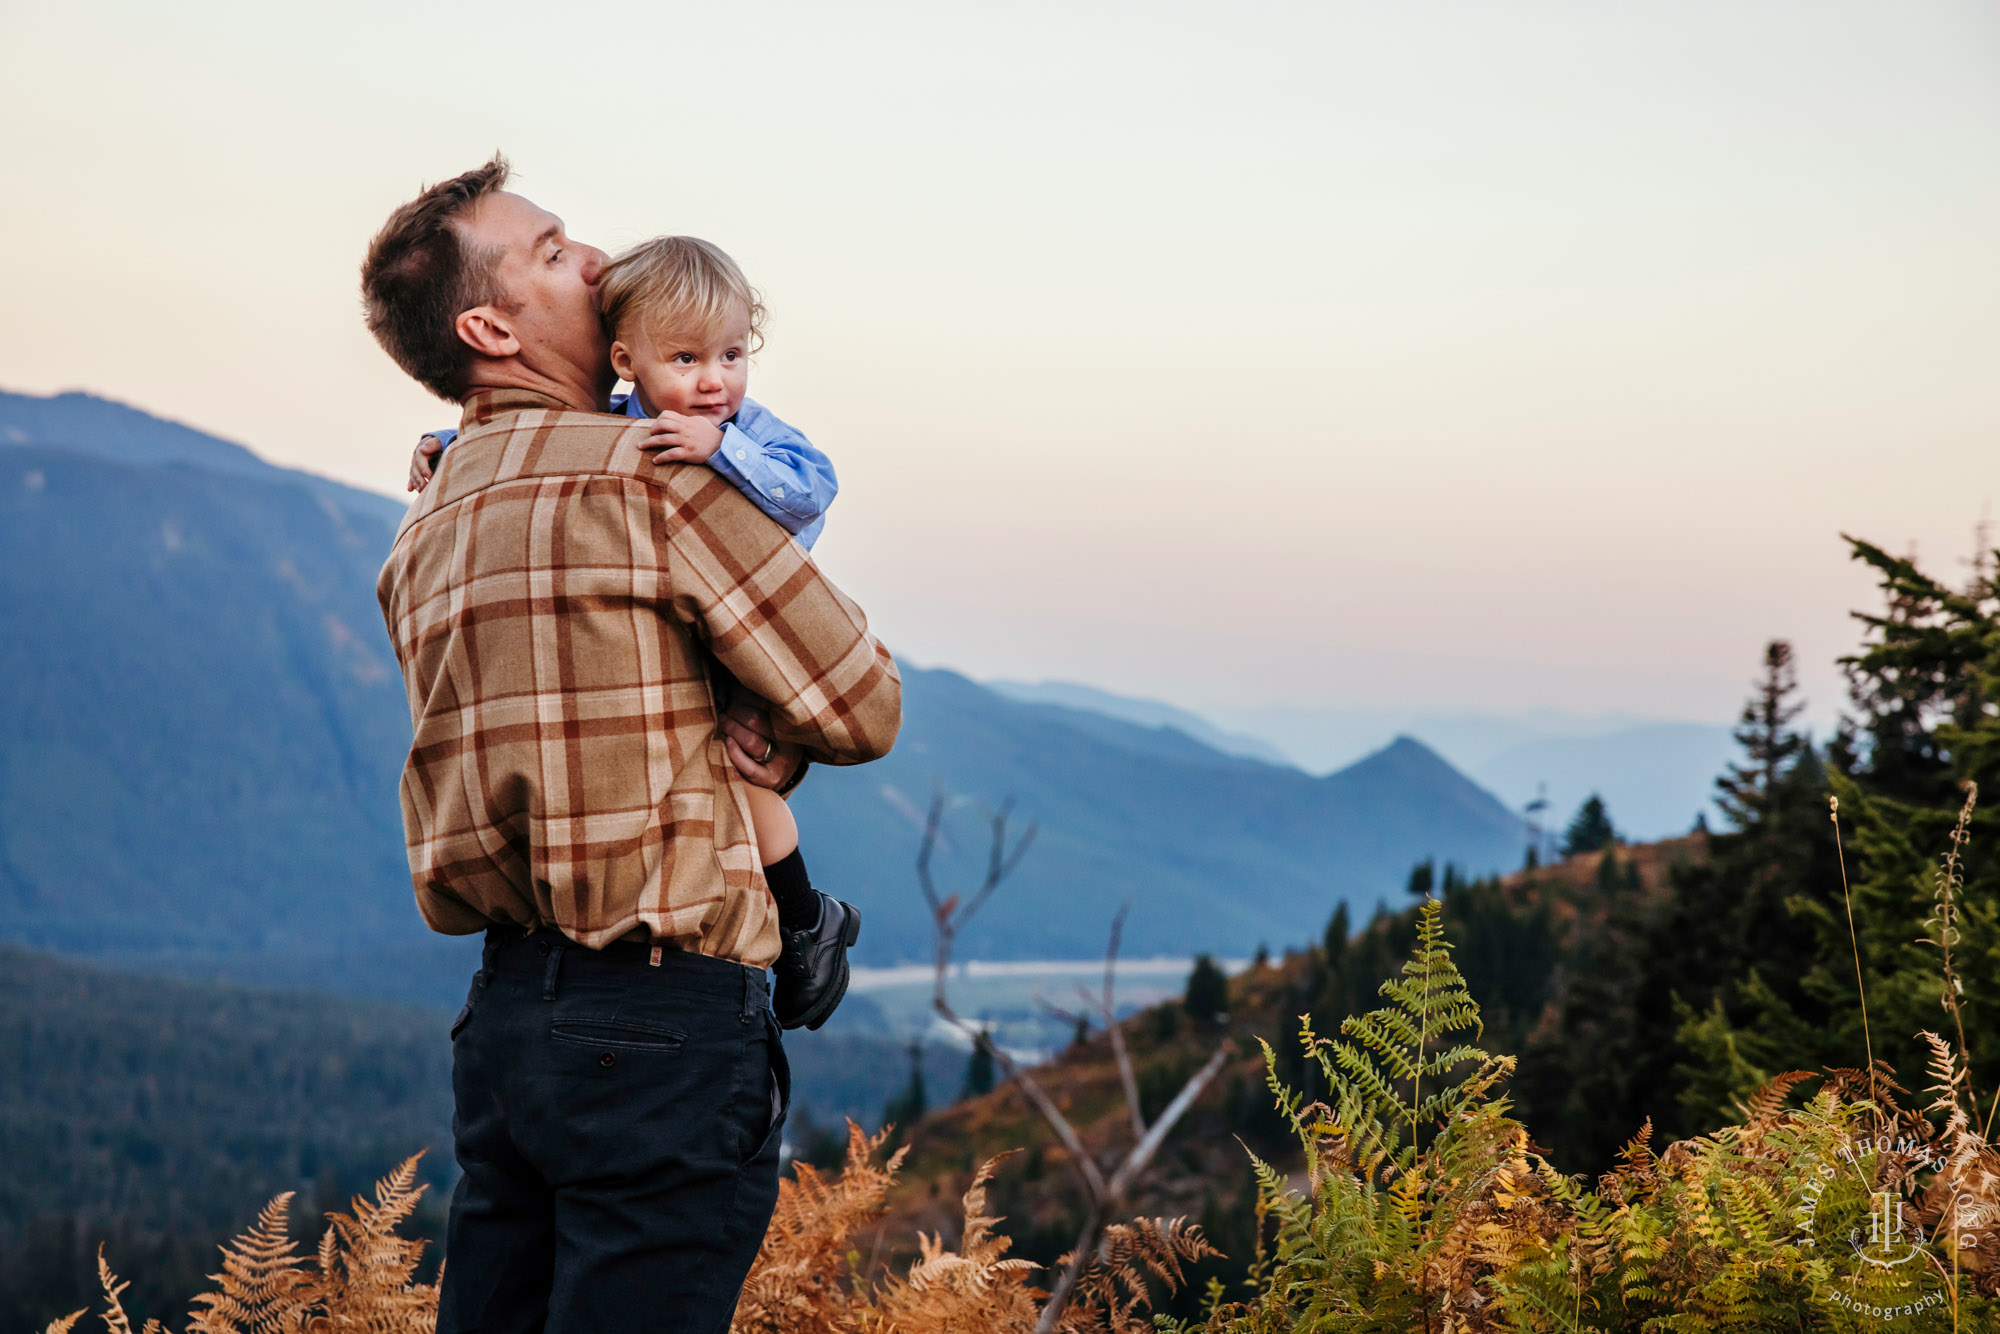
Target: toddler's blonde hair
[[676, 287]]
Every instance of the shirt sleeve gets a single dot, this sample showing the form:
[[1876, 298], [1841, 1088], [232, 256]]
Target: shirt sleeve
[[780, 626], [444, 435], [780, 470]]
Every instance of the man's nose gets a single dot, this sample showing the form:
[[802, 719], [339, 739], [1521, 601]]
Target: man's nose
[[594, 261]]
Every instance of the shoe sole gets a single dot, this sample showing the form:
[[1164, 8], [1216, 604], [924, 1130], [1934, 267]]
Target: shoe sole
[[850, 932]]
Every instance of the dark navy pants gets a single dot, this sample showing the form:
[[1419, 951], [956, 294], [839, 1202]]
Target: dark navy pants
[[617, 1124]]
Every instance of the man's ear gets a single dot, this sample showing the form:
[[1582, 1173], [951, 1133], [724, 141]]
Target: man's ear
[[621, 360], [488, 332]]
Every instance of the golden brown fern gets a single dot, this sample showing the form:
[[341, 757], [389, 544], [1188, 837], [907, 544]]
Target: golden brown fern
[[64, 1324], [114, 1317], [800, 1279], [1766, 1107], [973, 1288], [366, 1270], [1114, 1288], [265, 1288]]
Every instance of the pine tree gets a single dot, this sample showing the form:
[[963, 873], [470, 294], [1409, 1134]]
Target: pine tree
[[1207, 996], [1423, 878], [908, 1107], [1770, 746], [1591, 828], [979, 1070]]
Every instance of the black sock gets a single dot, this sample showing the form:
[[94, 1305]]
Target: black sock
[[798, 902]]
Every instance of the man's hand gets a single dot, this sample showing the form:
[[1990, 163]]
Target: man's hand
[[683, 439], [755, 750], [424, 461]]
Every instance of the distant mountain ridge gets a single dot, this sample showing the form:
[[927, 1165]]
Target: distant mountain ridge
[[105, 428], [202, 727], [1145, 712]]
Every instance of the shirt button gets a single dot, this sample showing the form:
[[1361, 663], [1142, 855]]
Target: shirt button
[[543, 947], [778, 491], [740, 456], [607, 1060]]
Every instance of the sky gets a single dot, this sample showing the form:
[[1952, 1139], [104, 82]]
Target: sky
[[1502, 357]]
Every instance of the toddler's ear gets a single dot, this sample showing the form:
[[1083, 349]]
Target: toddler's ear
[[621, 360]]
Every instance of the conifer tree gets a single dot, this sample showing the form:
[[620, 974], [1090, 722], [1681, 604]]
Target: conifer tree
[[1423, 878], [978, 1071], [1591, 828], [1207, 996]]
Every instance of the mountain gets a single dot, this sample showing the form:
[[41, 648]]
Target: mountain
[[202, 726], [1145, 712], [1216, 852], [106, 429], [1655, 774]]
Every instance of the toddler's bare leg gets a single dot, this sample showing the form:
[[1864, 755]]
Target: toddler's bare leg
[[777, 832]]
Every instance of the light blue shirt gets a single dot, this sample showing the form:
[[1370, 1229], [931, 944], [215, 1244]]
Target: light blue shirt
[[780, 470]]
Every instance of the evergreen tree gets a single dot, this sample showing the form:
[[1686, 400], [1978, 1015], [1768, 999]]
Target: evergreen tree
[[1590, 829], [1207, 990], [1423, 878], [1649, 1003], [1770, 746], [908, 1107], [1334, 944], [979, 1069]]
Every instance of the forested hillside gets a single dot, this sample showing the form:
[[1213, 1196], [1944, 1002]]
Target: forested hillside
[[156, 1115]]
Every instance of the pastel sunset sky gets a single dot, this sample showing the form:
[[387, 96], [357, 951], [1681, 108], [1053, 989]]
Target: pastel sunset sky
[[1496, 357]]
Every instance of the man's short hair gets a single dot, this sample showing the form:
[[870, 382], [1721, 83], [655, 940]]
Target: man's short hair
[[676, 287], [421, 275]]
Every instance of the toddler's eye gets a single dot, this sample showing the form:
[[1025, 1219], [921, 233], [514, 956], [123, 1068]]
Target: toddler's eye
[[683, 358], [731, 355]]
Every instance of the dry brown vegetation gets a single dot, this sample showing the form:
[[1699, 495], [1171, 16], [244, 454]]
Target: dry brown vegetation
[[806, 1278]]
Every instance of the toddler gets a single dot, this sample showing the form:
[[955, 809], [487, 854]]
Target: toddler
[[683, 322]]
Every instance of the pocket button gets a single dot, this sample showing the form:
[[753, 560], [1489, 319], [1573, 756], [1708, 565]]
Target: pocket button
[[607, 1060]]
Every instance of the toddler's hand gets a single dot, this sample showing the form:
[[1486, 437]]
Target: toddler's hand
[[423, 461], [683, 439]]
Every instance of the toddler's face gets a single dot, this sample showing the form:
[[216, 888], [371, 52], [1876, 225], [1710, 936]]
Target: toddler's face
[[703, 376]]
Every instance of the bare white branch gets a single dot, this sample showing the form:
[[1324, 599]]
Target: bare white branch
[[949, 916]]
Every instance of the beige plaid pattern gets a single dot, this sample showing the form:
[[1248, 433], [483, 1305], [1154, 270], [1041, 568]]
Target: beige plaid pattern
[[553, 597]]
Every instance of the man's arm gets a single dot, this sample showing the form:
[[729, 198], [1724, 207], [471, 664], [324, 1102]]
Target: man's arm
[[777, 624]]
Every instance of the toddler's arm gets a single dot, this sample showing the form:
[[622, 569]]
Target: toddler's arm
[[430, 448], [773, 464]]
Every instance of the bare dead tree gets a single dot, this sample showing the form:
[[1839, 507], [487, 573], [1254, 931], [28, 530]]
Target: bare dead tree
[[1102, 1194]]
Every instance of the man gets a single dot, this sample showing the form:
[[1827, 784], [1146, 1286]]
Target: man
[[574, 792]]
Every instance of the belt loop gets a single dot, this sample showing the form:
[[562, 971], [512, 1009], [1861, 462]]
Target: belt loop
[[555, 966], [750, 994]]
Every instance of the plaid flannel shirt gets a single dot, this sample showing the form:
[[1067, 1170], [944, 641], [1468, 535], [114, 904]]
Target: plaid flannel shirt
[[554, 598]]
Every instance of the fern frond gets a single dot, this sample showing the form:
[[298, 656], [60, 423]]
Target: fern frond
[[265, 1288], [366, 1271], [1767, 1104]]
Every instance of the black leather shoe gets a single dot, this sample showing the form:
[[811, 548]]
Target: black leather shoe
[[812, 966]]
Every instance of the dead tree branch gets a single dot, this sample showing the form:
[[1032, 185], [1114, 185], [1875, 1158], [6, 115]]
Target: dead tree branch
[[1102, 1196], [1106, 1007]]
